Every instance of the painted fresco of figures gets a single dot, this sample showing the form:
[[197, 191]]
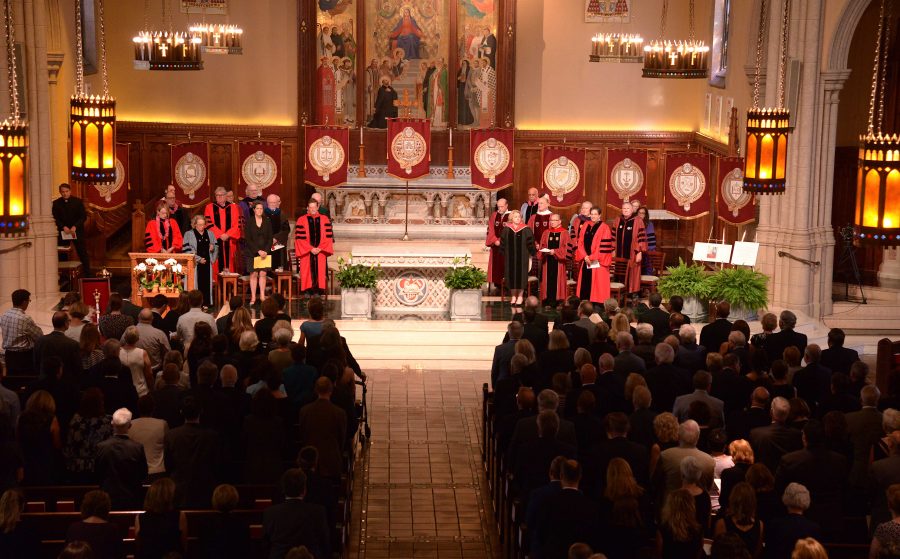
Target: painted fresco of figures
[[325, 46], [487, 81], [420, 88], [469, 43], [325, 92], [384, 104], [399, 63], [438, 98], [464, 94], [345, 88], [488, 47], [407, 35], [348, 41], [372, 85]]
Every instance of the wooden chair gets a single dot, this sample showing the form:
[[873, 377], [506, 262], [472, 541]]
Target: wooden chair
[[657, 267], [617, 289]]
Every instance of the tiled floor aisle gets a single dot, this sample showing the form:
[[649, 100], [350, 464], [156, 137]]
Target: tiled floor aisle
[[420, 489]]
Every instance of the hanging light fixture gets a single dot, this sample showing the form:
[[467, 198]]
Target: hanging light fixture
[[218, 38], [676, 59], [13, 146], [877, 216], [768, 128], [166, 50], [615, 47], [92, 118]]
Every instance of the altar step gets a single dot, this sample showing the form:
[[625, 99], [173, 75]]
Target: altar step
[[421, 344]]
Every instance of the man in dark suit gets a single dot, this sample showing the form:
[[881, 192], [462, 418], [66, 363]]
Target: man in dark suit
[[702, 382], [538, 499], [532, 303], [617, 445], [526, 429], [504, 352], [535, 332], [730, 386], [533, 458], [577, 336], [813, 382], [786, 337], [223, 323], [69, 214], [740, 423], [645, 348], [864, 427], [57, 344], [585, 310], [224, 412], [823, 472], [612, 384], [324, 426], [129, 308], [193, 458], [666, 381], [588, 384], [626, 361], [775, 440], [657, 317], [319, 490], [691, 356], [505, 426], [837, 357], [121, 465], [714, 334], [568, 517], [295, 522], [883, 474], [167, 400]]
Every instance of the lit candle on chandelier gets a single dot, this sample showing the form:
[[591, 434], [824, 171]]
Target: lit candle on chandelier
[[451, 137], [360, 135]]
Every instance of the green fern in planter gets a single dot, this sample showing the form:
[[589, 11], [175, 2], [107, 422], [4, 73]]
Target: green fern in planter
[[465, 276], [353, 276], [742, 287], [685, 281]]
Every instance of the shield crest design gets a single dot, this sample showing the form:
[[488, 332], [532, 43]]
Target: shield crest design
[[687, 184], [561, 177], [259, 169], [411, 288], [491, 159], [107, 190], [190, 174], [408, 148], [326, 155], [733, 191], [627, 179]]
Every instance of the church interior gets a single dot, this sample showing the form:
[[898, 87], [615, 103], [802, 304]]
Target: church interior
[[427, 237]]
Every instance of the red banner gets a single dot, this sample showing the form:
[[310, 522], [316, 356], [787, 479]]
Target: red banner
[[626, 179], [327, 153], [190, 173], [491, 157], [563, 175], [106, 197], [687, 189], [260, 166], [734, 205], [409, 148]]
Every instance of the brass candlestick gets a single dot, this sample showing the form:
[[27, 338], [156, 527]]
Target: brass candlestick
[[362, 161], [450, 173]]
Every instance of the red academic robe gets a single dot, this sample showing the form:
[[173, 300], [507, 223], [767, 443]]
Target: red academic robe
[[325, 110], [313, 231], [574, 235], [538, 223], [601, 249], [162, 237], [220, 220], [495, 261], [554, 284], [629, 243]]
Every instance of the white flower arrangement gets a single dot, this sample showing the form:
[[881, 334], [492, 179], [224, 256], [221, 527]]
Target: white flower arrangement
[[153, 276]]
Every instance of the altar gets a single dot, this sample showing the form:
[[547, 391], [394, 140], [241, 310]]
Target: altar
[[411, 280]]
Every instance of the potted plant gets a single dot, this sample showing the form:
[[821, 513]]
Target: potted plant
[[746, 290], [358, 283], [465, 282], [690, 282]]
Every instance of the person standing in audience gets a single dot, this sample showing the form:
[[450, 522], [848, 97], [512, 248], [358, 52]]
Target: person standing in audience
[[668, 474], [57, 344], [95, 529], [113, 324], [18, 539], [680, 535], [714, 334], [295, 521], [324, 426], [162, 234], [137, 361], [775, 440], [187, 321], [121, 465], [786, 337], [78, 313], [263, 439], [150, 433], [533, 457], [19, 335], [39, 438], [152, 340], [193, 457], [741, 519], [782, 536], [161, 529], [225, 535], [567, 517], [518, 247], [886, 539], [88, 428]]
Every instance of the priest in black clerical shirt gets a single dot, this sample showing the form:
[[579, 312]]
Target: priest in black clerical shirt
[[69, 213]]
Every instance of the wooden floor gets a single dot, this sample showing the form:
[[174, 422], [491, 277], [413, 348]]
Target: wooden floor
[[421, 490]]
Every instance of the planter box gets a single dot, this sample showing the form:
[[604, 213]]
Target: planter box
[[740, 313], [695, 309], [465, 304], [356, 303]]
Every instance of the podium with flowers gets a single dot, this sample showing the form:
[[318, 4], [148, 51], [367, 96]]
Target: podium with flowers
[[155, 274]]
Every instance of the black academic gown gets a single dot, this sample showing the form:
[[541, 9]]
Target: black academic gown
[[518, 248]]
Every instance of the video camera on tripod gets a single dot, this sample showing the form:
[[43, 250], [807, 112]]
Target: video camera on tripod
[[848, 259]]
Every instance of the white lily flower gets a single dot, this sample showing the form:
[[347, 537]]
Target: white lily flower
[[141, 267], [159, 268], [170, 262], [151, 261]]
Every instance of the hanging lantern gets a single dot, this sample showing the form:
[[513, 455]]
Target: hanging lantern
[[681, 59], [13, 147], [767, 143], [92, 118]]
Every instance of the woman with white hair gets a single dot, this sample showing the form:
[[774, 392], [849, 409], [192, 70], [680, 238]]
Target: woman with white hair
[[201, 242], [781, 536], [691, 474]]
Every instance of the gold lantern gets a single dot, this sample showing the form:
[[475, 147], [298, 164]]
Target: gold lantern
[[768, 128], [877, 216], [13, 147], [92, 118]]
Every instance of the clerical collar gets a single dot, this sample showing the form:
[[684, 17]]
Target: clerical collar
[[544, 212], [515, 227]]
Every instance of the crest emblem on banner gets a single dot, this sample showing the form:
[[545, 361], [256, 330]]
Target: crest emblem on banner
[[561, 177], [409, 149], [326, 156], [687, 184], [107, 190], [491, 159], [733, 191], [259, 169], [627, 179], [190, 173]]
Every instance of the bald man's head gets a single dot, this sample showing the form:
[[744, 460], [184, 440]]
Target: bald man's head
[[145, 316]]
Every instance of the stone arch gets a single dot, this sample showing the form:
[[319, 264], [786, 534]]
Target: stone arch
[[839, 50]]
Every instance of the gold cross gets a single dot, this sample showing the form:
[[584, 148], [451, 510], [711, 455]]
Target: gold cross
[[407, 104]]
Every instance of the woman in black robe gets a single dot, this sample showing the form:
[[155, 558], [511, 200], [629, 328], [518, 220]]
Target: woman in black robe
[[517, 246], [257, 242], [463, 111], [201, 242]]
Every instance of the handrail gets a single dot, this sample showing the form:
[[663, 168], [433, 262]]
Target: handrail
[[798, 259], [26, 244]]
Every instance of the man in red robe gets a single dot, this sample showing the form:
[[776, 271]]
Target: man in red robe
[[495, 227], [631, 243], [595, 252], [583, 216], [313, 244], [224, 221], [162, 233], [539, 222], [325, 111], [554, 245]]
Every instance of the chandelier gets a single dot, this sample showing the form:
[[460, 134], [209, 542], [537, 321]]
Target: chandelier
[[92, 118], [877, 216], [218, 38], [13, 146], [676, 59], [768, 128], [166, 50], [615, 47]]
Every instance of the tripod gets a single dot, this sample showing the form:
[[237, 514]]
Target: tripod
[[848, 258]]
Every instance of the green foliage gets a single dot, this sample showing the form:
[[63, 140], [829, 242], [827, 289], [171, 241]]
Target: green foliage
[[742, 287], [465, 276], [686, 281], [352, 276]]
